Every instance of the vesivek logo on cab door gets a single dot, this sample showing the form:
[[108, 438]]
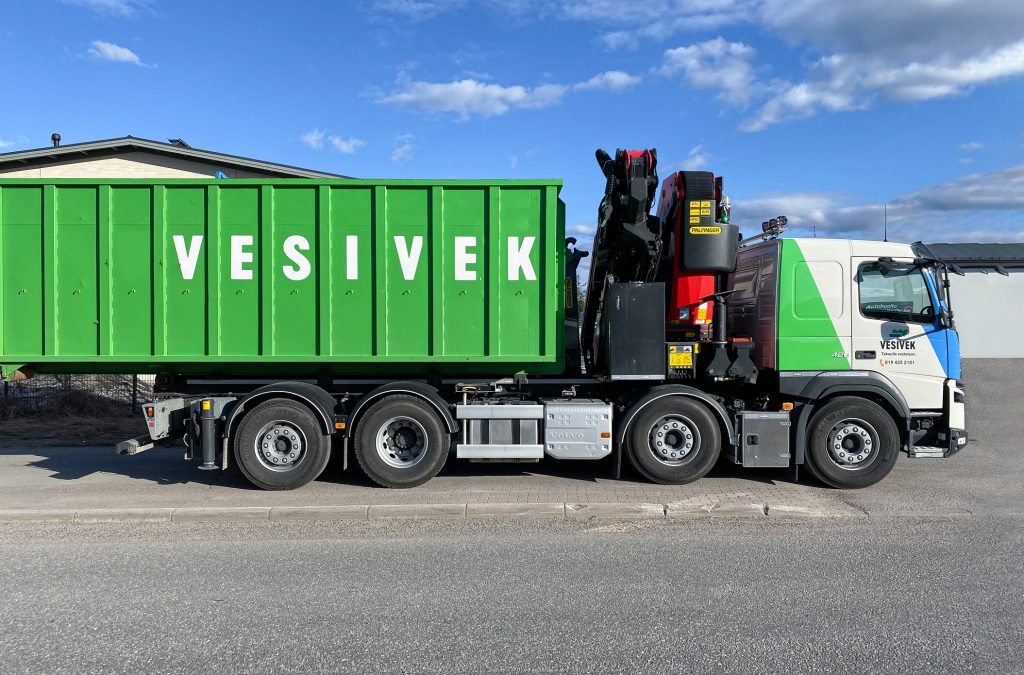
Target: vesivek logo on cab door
[[408, 253], [894, 336]]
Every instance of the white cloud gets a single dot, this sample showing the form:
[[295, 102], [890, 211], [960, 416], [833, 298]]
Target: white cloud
[[804, 209], [857, 52], [108, 51], [946, 76], [795, 101], [476, 75], [404, 150], [314, 138], [714, 64], [640, 21], [415, 10], [422, 10], [848, 82], [696, 160], [610, 80], [914, 50], [470, 97], [897, 32], [911, 50], [466, 98], [908, 29], [122, 8], [969, 148], [977, 207], [12, 142], [347, 146]]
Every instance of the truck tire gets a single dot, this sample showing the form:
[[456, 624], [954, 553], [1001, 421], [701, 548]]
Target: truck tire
[[279, 445], [674, 441], [852, 443], [401, 442]]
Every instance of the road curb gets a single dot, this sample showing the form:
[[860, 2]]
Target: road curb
[[698, 509], [516, 510], [833, 511], [220, 513], [379, 511], [37, 515], [319, 512], [123, 516], [621, 510]]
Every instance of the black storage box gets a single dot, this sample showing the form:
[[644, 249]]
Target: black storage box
[[634, 331], [707, 245]]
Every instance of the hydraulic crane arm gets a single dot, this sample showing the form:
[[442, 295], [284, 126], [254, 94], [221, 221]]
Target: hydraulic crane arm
[[629, 238]]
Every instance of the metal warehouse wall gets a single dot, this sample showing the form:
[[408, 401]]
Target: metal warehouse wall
[[989, 311]]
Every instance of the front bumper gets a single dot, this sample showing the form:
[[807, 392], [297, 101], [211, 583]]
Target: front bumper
[[955, 438], [957, 442]]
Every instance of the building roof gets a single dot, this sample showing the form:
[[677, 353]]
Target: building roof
[[971, 256], [178, 148]]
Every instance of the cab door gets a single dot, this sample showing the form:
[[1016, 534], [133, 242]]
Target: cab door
[[896, 329]]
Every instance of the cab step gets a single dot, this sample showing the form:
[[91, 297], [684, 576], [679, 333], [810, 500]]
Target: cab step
[[927, 451]]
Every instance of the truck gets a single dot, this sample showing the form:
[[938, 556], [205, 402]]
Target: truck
[[408, 323]]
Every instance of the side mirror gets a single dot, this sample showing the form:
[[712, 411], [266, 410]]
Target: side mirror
[[945, 318], [888, 266]]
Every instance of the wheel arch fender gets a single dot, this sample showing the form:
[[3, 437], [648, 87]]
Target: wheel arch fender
[[418, 389], [869, 385], [320, 402], [633, 406]]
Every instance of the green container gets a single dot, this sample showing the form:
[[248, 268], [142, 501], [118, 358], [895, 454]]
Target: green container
[[281, 276]]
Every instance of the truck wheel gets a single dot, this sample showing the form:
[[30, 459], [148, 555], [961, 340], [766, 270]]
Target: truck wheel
[[279, 445], [401, 442], [674, 441], [852, 443]]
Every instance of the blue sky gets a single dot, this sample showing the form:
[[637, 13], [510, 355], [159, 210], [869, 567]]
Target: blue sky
[[815, 109]]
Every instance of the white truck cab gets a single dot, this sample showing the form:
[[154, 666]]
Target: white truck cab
[[851, 327]]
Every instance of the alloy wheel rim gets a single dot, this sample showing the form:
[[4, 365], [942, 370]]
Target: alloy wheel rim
[[673, 439], [852, 444], [401, 442], [280, 446]]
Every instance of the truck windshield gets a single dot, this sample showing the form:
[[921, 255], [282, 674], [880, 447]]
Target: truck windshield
[[895, 295]]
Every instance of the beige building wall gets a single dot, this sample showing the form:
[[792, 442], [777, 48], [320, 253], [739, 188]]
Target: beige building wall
[[128, 165]]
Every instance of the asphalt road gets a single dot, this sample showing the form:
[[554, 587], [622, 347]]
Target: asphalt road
[[889, 591], [897, 595]]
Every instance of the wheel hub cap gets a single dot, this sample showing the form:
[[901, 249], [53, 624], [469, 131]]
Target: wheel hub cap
[[280, 446], [851, 443], [672, 439], [401, 442]]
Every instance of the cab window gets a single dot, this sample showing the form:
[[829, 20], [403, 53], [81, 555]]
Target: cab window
[[894, 295]]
